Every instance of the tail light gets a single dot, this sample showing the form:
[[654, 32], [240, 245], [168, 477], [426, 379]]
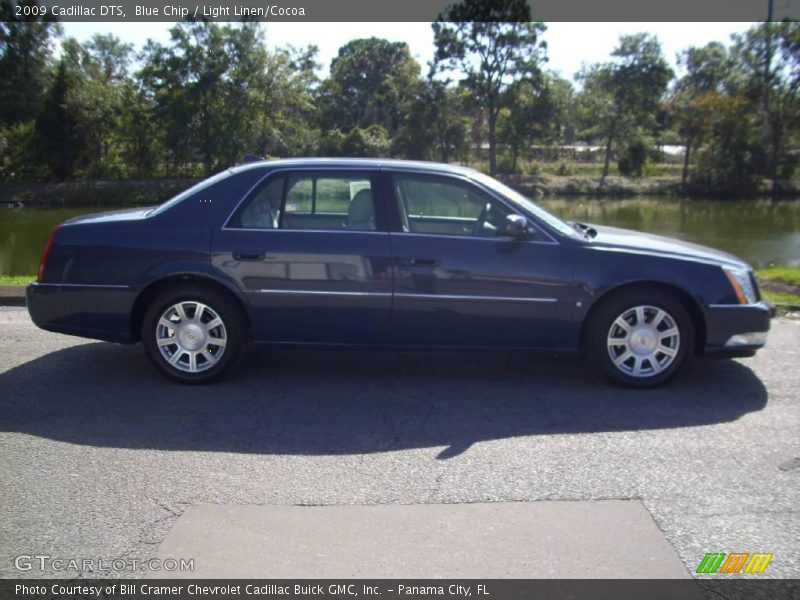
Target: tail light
[[47, 246]]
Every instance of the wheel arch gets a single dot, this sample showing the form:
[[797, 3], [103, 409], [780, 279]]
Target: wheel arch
[[152, 289], [691, 305]]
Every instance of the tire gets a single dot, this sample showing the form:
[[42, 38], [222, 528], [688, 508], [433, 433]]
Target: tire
[[191, 350], [640, 337]]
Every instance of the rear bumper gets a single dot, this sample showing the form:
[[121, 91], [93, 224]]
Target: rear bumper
[[736, 330], [99, 312]]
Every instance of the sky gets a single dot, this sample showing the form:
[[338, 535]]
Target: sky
[[569, 44]]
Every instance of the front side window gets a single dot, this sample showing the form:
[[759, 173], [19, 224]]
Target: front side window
[[446, 206], [311, 201]]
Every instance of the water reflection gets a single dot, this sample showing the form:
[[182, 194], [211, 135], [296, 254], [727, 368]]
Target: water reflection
[[760, 231]]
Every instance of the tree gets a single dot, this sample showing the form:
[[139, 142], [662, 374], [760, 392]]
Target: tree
[[25, 62], [372, 82], [536, 113], [287, 118], [620, 98], [708, 71], [492, 44], [435, 125], [60, 137], [219, 95], [725, 165], [96, 100], [767, 57]]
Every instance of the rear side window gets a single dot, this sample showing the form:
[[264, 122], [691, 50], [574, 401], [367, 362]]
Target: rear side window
[[311, 201], [263, 208]]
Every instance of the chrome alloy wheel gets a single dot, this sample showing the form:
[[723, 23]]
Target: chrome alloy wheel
[[643, 341], [191, 336]]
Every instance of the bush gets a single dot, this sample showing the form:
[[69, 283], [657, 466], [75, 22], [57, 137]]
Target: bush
[[632, 161], [505, 163], [17, 153], [371, 142], [564, 169]]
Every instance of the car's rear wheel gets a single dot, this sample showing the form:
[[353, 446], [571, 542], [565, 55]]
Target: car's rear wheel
[[640, 338], [193, 334]]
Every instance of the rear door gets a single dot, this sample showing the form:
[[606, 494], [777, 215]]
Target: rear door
[[311, 252], [458, 283]]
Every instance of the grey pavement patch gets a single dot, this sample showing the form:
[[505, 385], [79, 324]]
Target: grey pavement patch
[[600, 539]]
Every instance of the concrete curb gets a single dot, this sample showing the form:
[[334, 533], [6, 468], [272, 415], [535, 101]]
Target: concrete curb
[[12, 295]]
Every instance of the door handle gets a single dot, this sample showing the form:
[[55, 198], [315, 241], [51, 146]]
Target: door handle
[[239, 255], [421, 262]]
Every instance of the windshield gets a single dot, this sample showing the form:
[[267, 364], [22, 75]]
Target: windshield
[[526, 204], [186, 193]]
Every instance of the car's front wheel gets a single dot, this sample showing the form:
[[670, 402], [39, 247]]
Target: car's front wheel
[[640, 338], [193, 334]]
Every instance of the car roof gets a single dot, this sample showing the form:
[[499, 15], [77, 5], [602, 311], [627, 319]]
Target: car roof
[[358, 163]]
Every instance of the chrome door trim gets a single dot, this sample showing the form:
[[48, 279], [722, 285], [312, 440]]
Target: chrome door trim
[[404, 295], [82, 285], [471, 297], [325, 293]]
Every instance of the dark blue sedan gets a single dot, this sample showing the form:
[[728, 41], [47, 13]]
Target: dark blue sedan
[[381, 253]]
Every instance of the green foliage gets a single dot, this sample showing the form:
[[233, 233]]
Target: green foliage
[[16, 279], [62, 140], [621, 98], [25, 62], [789, 275], [370, 142], [18, 152], [536, 112], [726, 165], [634, 157], [436, 127], [214, 92], [372, 82], [564, 169]]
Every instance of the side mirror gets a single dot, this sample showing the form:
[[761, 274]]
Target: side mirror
[[515, 226]]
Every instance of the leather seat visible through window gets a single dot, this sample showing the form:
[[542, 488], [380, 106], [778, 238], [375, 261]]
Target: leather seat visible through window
[[361, 213]]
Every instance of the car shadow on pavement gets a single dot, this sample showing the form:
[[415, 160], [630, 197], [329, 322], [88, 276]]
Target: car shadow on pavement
[[344, 402]]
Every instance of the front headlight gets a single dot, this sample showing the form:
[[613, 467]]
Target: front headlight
[[742, 284]]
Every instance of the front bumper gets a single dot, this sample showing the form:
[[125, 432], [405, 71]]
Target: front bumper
[[736, 330]]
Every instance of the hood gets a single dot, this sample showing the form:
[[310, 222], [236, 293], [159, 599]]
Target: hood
[[626, 239], [129, 214]]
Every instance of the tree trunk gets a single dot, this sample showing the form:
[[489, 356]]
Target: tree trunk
[[685, 174], [777, 134], [608, 154], [492, 141]]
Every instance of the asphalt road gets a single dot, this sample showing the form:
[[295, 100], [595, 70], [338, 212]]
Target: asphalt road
[[99, 455]]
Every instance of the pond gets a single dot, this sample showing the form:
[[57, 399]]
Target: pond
[[762, 232]]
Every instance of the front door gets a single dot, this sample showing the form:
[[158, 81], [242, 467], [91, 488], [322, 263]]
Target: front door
[[307, 249], [457, 283]]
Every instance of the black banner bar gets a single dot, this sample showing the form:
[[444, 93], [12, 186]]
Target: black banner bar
[[388, 589], [393, 11]]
